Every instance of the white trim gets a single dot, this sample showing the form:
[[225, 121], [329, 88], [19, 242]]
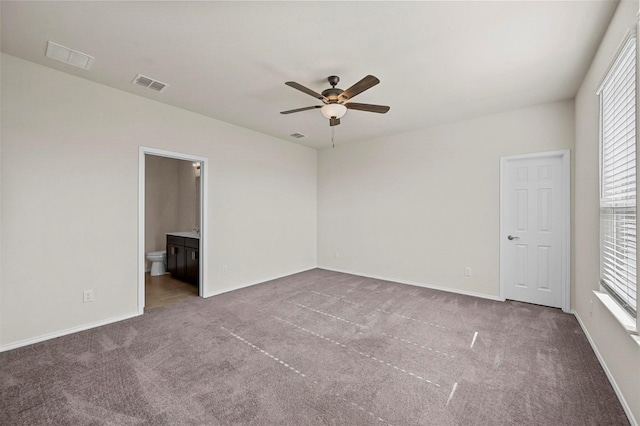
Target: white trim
[[622, 316], [414, 283], [204, 218], [262, 280], [635, 30], [141, 234], [619, 394], [630, 33], [55, 334], [565, 157]]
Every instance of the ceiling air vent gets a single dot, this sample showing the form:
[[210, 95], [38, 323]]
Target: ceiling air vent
[[149, 83], [297, 135], [69, 56]]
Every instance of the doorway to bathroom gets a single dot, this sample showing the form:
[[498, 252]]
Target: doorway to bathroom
[[172, 205]]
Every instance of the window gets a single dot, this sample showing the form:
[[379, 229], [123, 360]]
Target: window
[[618, 179]]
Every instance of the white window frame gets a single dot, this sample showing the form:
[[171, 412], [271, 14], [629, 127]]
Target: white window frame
[[628, 317]]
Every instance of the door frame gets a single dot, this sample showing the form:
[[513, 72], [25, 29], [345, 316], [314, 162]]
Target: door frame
[[565, 249], [204, 218]]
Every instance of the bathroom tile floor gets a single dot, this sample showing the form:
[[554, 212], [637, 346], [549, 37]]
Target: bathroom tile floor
[[163, 290]]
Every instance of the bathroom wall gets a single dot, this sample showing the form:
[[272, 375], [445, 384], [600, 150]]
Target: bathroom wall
[[188, 195], [171, 200]]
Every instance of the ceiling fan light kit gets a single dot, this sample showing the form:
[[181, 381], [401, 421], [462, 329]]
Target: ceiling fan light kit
[[335, 99], [333, 110]]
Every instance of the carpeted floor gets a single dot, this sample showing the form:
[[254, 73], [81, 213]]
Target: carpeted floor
[[317, 348]]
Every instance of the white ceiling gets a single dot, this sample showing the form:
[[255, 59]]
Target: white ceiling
[[437, 61]]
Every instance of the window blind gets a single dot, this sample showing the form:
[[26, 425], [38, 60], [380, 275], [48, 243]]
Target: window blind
[[618, 180]]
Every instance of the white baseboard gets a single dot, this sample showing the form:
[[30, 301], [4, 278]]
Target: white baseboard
[[263, 280], [61, 333], [415, 283], [625, 406], [84, 327]]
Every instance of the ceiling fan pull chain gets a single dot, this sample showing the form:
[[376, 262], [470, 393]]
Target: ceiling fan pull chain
[[333, 130]]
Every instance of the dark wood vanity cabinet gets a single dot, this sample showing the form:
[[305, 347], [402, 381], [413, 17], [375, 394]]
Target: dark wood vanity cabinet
[[192, 266], [183, 261], [175, 256]]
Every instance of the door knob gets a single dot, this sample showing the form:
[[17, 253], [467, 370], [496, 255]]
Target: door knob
[[511, 237]]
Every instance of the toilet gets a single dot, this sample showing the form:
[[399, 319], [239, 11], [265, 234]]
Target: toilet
[[157, 259]]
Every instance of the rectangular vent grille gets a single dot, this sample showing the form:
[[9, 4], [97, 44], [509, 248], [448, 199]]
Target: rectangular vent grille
[[69, 56], [297, 135], [149, 83]]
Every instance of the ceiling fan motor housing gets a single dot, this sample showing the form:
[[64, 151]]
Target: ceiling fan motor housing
[[333, 93]]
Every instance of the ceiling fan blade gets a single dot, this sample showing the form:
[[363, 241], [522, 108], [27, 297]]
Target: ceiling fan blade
[[334, 121], [300, 109], [306, 90], [364, 84], [380, 109]]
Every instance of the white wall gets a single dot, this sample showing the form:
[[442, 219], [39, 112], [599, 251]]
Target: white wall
[[70, 199], [421, 206], [618, 351]]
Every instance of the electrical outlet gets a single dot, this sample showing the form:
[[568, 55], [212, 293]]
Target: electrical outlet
[[467, 272], [337, 254], [87, 296], [225, 269]]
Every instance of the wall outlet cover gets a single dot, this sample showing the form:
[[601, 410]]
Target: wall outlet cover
[[87, 296]]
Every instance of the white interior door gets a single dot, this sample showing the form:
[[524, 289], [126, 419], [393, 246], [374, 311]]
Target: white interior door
[[533, 266]]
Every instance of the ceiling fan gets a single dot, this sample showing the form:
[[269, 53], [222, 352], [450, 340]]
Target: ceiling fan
[[335, 100]]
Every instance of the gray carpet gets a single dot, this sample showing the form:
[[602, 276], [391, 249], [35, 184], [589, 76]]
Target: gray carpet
[[317, 348]]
